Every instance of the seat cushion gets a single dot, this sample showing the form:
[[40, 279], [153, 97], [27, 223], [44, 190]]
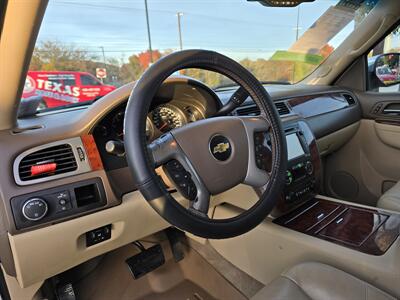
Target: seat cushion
[[315, 281], [391, 199]]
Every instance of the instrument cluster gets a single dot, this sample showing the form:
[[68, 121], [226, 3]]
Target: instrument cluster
[[177, 103], [161, 119]]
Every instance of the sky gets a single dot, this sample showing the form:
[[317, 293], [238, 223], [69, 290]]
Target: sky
[[237, 28]]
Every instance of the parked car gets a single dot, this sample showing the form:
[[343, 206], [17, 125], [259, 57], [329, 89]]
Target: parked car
[[385, 74], [59, 88]]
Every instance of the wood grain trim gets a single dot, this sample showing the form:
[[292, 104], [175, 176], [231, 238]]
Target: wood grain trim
[[314, 105], [92, 152], [369, 231]]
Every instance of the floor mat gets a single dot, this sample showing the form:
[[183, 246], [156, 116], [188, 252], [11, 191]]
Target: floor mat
[[193, 278], [186, 290]]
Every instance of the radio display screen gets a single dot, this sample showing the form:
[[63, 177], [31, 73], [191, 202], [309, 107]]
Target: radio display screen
[[294, 146]]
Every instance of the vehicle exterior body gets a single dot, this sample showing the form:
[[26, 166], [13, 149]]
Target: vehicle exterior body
[[385, 74], [59, 88]]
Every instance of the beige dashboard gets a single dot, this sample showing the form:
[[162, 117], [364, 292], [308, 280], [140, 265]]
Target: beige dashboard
[[60, 245]]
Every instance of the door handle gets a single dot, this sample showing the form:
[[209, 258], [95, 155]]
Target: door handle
[[391, 111]]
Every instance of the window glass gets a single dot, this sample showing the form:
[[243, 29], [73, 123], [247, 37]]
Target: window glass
[[89, 80], [116, 41]]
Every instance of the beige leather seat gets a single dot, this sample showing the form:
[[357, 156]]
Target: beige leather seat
[[318, 281], [391, 199]]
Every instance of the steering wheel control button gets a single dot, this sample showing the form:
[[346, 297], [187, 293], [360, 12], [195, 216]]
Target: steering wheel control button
[[35, 209], [182, 179], [263, 152], [220, 148]]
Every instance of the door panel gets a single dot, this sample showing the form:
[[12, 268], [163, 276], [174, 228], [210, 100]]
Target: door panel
[[369, 164], [388, 133], [366, 166]]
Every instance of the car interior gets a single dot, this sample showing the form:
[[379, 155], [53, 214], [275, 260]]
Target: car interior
[[174, 185]]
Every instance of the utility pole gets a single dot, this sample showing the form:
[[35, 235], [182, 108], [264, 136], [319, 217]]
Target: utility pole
[[297, 24], [104, 56], [179, 15], [148, 31], [104, 60]]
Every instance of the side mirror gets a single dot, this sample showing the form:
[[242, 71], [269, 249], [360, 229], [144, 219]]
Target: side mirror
[[385, 69], [28, 107]]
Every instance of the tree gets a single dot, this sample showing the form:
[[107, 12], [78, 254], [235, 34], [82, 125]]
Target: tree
[[54, 55], [144, 58]]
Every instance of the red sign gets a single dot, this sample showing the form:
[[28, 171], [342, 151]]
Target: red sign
[[101, 73]]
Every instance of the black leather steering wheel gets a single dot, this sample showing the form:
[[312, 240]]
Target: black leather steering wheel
[[210, 156]]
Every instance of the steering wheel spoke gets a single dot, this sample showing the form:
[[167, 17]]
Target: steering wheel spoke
[[167, 153], [163, 149], [260, 157]]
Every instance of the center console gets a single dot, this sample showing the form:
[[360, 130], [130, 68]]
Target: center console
[[302, 175], [304, 166], [366, 230]]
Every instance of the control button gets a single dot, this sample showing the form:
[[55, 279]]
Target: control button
[[309, 168], [182, 179], [289, 178], [98, 235], [64, 195], [34, 209], [63, 205]]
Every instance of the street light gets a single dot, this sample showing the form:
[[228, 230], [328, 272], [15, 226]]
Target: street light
[[179, 15], [148, 31]]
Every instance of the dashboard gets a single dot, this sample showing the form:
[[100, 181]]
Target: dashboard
[[100, 187]]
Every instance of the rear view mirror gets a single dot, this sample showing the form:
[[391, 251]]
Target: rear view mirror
[[385, 69], [282, 3]]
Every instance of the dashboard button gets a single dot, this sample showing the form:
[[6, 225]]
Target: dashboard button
[[35, 209], [289, 178], [309, 168]]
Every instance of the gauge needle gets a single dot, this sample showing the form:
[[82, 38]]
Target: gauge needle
[[163, 126]]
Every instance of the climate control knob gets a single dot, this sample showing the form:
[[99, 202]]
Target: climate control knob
[[309, 167], [35, 209]]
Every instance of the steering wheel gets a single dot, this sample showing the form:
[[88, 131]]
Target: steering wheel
[[206, 157]]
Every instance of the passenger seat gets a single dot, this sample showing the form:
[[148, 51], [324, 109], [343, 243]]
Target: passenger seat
[[391, 199]]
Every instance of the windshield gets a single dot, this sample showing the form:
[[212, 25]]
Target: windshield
[[86, 49]]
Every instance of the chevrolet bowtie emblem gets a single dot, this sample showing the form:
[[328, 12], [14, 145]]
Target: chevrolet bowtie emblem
[[221, 148]]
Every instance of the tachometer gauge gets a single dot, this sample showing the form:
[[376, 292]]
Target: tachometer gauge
[[167, 117]]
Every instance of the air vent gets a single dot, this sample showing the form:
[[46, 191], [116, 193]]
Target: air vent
[[282, 108], [350, 99], [249, 110], [253, 110], [47, 162]]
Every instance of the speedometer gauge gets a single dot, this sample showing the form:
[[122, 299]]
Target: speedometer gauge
[[167, 117]]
